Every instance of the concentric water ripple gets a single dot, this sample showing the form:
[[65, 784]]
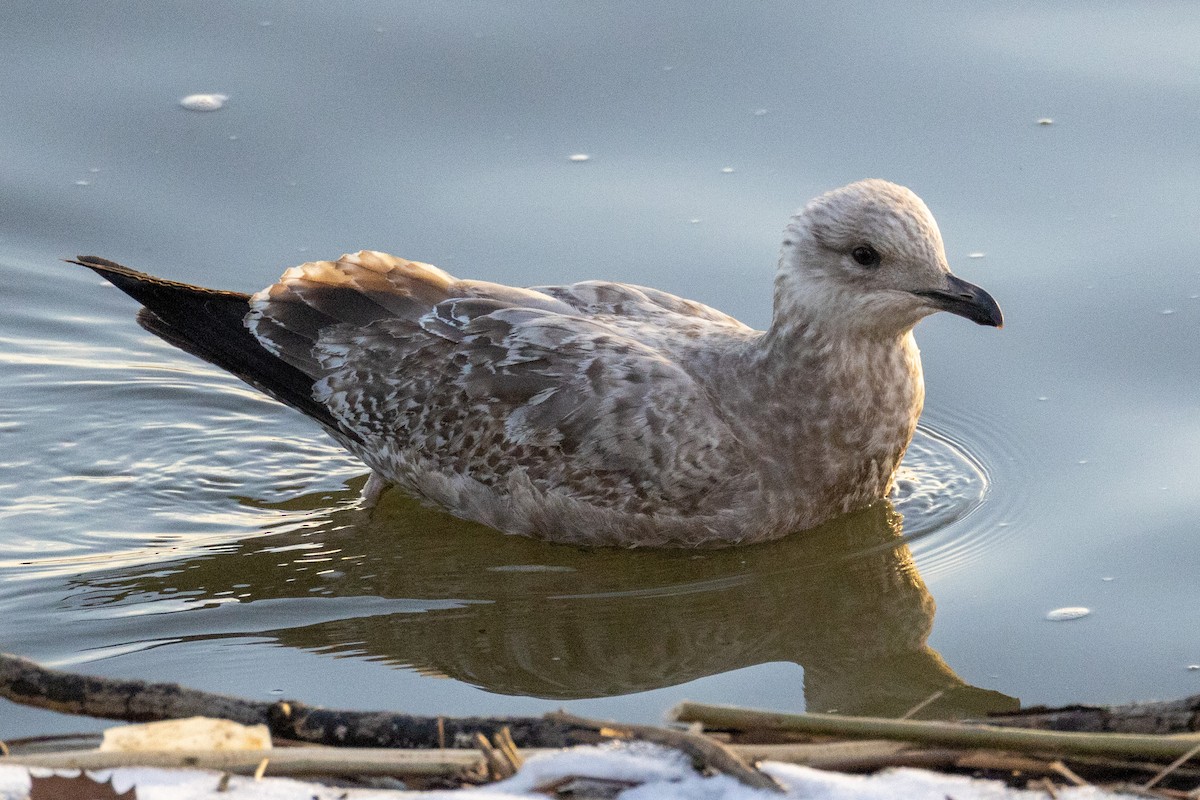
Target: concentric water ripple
[[954, 493]]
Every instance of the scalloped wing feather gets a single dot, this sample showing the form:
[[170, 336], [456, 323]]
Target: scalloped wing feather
[[569, 403]]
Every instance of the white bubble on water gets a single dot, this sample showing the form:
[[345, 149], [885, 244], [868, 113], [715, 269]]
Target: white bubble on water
[[1166, 312], [727, 170], [976, 254], [1068, 613], [83, 183], [204, 102], [578, 157], [760, 112]]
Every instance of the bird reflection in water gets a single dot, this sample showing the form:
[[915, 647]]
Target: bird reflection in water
[[517, 616]]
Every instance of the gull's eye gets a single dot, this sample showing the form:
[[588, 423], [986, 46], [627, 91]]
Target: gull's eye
[[866, 255]]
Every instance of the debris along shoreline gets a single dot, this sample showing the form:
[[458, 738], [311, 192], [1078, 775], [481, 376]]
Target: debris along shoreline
[[1154, 747]]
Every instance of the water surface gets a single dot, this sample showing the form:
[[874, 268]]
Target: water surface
[[160, 520]]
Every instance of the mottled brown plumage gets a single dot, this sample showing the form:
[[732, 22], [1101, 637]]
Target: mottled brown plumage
[[605, 413]]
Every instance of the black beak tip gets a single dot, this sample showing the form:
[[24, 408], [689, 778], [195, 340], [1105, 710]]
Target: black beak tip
[[966, 300], [995, 317]]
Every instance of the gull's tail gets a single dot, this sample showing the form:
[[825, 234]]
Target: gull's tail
[[208, 323]]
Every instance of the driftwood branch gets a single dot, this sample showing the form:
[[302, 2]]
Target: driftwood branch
[[950, 734], [24, 681]]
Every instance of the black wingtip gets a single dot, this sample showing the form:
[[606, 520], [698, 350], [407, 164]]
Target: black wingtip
[[146, 288], [209, 324], [104, 265]]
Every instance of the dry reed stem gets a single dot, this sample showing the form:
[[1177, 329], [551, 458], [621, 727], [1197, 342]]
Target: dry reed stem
[[943, 733]]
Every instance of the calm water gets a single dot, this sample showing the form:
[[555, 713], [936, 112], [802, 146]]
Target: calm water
[[160, 520]]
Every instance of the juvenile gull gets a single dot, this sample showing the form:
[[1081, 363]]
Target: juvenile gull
[[604, 413]]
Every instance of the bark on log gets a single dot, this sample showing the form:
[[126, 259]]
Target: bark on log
[[1173, 716], [24, 681]]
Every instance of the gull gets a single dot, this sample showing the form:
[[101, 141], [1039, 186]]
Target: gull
[[602, 413]]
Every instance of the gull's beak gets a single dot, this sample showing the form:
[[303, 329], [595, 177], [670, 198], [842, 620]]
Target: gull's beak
[[966, 300]]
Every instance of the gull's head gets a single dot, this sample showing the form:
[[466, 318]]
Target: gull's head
[[869, 257]]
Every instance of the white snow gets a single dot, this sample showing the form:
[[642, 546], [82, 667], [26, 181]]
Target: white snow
[[661, 774]]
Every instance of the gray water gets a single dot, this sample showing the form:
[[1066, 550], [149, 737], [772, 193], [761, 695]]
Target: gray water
[[160, 520]]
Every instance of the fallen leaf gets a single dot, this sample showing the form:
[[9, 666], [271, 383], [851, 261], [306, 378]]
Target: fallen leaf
[[80, 787]]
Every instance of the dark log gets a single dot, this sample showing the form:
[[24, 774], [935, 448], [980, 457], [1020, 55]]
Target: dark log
[[343, 728], [1164, 717], [24, 681]]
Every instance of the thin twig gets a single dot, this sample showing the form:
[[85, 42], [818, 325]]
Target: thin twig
[[1174, 765], [504, 742], [495, 768], [1065, 771], [994, 761]]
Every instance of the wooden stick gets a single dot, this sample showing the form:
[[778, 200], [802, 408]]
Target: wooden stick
[[288, 761], [704, 749], [943, 733]]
